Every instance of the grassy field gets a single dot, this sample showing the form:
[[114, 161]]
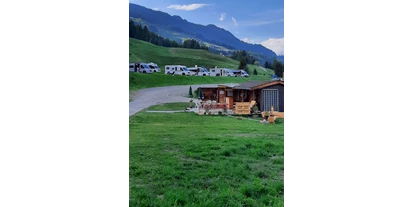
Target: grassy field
[[140, 80], [171, 106], [141, 51], [183, 159]]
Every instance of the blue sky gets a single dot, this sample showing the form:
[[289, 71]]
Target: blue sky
[[259, 21]]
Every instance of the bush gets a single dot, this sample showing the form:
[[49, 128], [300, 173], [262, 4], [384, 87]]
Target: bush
[[195, 94]]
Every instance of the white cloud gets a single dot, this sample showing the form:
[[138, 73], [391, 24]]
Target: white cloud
[[156, 9], [186, 7], [222, 16], [258, 22], [275, 44], [251, 41], [234, 21]]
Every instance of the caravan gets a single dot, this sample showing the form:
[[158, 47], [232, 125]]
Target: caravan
[[221, 72], [139, 67], [154, 67], [132, 67], [176, 70], [199, 71]]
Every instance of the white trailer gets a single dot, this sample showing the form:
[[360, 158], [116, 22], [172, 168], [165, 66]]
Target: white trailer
[[154, 67], [176, 70], [221, 72], [199, 71]]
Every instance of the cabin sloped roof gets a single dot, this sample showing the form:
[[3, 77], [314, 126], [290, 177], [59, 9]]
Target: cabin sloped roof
[[250, 85]]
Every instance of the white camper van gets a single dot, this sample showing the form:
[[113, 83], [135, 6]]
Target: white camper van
[[240, 73], [221, 72], [144, 68], [176, 70], [154, 67], [244, 74], [199, 71], [139, 67]]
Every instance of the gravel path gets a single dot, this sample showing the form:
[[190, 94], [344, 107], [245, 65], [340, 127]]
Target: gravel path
[[145, 98]]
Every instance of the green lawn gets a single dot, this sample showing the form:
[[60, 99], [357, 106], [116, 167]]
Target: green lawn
[[171, 106], [183, 159], [140, 80]]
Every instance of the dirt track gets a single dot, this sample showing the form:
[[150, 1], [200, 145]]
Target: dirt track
[[145, 98]]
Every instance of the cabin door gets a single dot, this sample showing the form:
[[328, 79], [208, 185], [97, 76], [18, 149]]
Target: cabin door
[[270, 98]]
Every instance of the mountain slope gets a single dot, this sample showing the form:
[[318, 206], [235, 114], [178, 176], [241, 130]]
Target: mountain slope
[[140, 51], [174, 27]]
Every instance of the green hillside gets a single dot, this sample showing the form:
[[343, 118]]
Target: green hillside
[[140, 51]]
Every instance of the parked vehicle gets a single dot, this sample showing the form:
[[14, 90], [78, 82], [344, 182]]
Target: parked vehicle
[[199, 71], [176, 70], [132, 67], [274, 77], [221, 72], [143, 68], [154, 67], [244, 74]]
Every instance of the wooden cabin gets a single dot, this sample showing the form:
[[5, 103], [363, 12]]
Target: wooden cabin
[[239, 97]]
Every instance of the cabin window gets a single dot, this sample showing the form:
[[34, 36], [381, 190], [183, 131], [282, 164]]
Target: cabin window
[[131, 66], [229, 93], [142, 67], [168, 68], [213, 71]]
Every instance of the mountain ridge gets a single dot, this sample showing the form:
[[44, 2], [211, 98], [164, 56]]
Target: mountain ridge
[[177, 28]]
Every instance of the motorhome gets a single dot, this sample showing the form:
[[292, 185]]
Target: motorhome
[[139, 67], [154, 67], [199, 71], [240, 73], [176, 70], [244, 74], [221, 72], [132, 67]]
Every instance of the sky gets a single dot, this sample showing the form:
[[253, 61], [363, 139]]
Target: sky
[[259, 22]]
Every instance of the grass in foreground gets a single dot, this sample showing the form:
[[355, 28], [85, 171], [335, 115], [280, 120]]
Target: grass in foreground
[[184, 159], [171, 106]]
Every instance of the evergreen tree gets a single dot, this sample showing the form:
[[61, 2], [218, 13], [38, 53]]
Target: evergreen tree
[[190, 92], [132, 29], [255, 71], [243, 63], [266, 65], [146, 33], [278, 67]]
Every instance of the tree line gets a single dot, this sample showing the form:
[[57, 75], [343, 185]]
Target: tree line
[[242, 54], [142, 33], [277, 66], [245, 59]]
